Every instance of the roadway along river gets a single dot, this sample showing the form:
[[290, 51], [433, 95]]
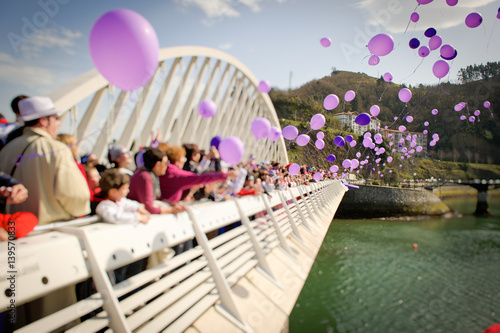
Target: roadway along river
[[368, 277]]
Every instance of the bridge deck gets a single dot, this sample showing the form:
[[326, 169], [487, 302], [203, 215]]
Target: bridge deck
[[246, 279]]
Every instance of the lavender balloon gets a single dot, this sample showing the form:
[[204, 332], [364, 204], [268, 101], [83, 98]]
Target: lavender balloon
[[317, 176], [317, 121], [294, 169], [320, 144], [373, 60], [290, 132], [207, 108], [231, 150], [374, 110], [387, 77], [124, 48], [346, 164], [349, 95], [434, 112], [264, 86], [260, 128], [274, 133], [353, 143], [303, 140], [334, 168], [325, 42], [435, 42], [331, 102], [381, 44], [473, 20], [320, 135], [404, 95]]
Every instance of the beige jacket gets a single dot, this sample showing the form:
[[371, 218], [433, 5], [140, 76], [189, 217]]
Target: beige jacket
[[57, 189]]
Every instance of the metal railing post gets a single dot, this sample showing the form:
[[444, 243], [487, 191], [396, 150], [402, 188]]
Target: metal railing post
[[261, 257], [228, 306], [296, 232], [309, 212], [281, 237]]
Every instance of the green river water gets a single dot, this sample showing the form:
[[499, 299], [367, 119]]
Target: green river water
[[367, 276]]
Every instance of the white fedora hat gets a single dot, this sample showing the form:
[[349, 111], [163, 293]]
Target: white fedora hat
[[32, 108]]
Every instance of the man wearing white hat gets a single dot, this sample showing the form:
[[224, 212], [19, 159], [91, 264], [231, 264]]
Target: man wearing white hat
[[58, 191]]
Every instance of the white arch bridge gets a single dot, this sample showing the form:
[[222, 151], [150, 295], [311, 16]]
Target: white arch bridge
[[246, 279], [168, 102]]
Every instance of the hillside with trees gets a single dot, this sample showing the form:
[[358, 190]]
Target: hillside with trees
[[461, 141]]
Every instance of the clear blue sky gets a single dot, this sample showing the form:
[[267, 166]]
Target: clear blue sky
[[273, 38]]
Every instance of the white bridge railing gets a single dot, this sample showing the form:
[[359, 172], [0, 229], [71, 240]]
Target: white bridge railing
[[172, 295]]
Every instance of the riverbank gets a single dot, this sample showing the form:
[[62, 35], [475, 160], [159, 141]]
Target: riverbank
[[458, 191], [379, 201]]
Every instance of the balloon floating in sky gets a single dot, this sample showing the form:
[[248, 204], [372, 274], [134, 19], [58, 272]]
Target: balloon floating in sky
[[274, 133], [334, 168], [349, 138], [477, 113], [349, 95], [486, 104], [290, 132], [320, 144], [374, 60], [320, 135], [331, 102], [473, 20], [451, 3], [362, 119], [404, 95], [331, 158], [387, 77], [325, 42], [424, 2], [339, 141], [317, 176], [414, 43], [414, 17], [440, 69], [124, 48], [409, 119], [260, 128], [447, 51], [207, 108], [303, 140], [430, 32], [264, 86], [294, 169], [434, 112], [216, 140], [452, 57], [381, 44], [423, 51], [231, 150], [317, 121], [435, 42]]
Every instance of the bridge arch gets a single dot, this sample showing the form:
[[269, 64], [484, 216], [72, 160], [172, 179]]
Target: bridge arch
[[185, 75]]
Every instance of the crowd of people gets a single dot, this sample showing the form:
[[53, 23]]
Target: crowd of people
[[44, 180]]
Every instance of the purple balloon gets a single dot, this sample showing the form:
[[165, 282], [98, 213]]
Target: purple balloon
[[274, 133], [414, 17], [216, 140], [334, 168], [320, 135], [349, 95], [452, 57], [440, 69], [349, 138], [435, 42], [303, 140], [473, 20], [451, 3], [331, 158], [414, 43], [430, 32], [381, 44], [290, 132], [124, 48], [434, 112], [477, 113], [363, 119], [426, 124], [374, 60], [447, 51], [424, 2], [487, 104], [346, 164], [331, 102], [409, 119], [352, 143], [325, 42], [423, 51], [317, 121], [472, 119], [231, 150], [320, 144], [374, 110], [264, 86], [260, 128], [387, 77], [207, 108], [294, 169], [404, 95], [317, 176], [339, 141], [462, 117], [402, 128]]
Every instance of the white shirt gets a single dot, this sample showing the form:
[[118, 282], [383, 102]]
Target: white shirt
[[123, 211]]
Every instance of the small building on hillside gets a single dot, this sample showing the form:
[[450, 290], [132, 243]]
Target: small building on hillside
[[347, 120]]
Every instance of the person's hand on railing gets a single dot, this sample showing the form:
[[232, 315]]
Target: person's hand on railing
[[144, 215]]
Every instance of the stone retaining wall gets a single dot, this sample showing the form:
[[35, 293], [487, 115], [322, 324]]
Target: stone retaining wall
[[377, 201]]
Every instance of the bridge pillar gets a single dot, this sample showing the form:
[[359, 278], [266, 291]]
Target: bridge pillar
[[482, 202]]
